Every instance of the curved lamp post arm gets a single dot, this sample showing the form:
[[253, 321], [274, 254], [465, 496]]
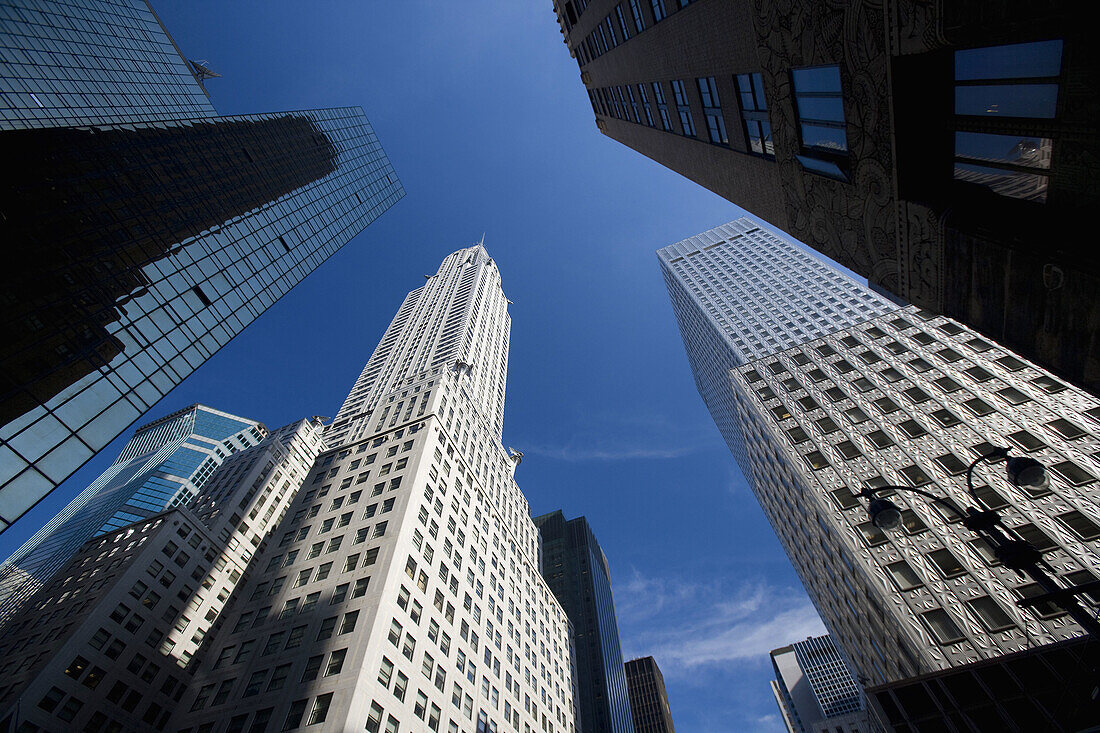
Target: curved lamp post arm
[[994, 454], [869, 493]]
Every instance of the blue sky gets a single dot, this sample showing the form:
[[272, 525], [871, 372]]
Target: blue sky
[[484, 117]]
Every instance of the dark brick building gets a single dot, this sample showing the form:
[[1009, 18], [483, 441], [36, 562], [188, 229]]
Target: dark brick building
[[946, 151]]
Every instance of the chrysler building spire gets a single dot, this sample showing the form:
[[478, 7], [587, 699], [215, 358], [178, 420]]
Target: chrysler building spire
[[457, 320]]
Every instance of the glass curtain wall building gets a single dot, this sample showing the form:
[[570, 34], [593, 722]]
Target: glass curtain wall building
[[90, 62], [165, 464], [145, 242], [577, 571], [648, 697]]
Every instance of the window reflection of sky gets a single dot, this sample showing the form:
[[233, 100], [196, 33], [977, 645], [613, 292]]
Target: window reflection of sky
[[832, 138], [1014, 61], [1007, 100], [1006, 148], [817, 79]]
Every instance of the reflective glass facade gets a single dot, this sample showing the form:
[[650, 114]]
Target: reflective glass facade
[[163, 465], [576, 570], [85, 62], [148, 231], [648, 697]]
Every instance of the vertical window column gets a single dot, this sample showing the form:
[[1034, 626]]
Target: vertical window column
[[662, 106], [636, 11], [821, 122], [622, 22], [633, 104], [645, 105], [687, 124], [712, 110], [754, 114]]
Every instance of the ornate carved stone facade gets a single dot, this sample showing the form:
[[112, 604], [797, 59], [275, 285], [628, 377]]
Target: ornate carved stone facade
[[910, 399], [897, 209]]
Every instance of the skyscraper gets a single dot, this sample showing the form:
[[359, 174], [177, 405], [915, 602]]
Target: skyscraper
[[648, 697], [922, 146], [402, 591], [148, 231], [576, 570], [906, 397], [815, 690], [740, 292], [92, 62], [108, 643], [164, 464]]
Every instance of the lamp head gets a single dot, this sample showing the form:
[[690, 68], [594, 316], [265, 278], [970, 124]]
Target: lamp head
[[1027, 473], [884, 514]]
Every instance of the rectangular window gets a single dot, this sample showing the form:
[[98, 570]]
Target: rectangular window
[[1081, 525], [754, 114], [1013, 81], [662, 107], [687, 124], [712, 110], [948, 565], [942, 626], [992, 616], [904, 577], [821, 122], [645, 105], [636, 12]]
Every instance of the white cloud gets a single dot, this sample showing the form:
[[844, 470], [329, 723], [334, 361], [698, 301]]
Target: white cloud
[[689, 626]]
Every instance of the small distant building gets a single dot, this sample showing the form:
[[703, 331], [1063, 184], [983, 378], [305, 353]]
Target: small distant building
[[815, 690], [577, 572], [648, 698]]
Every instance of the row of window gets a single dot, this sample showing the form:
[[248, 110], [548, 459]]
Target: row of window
[[911, 427], [819, 104], [421, 577], [614, 28]]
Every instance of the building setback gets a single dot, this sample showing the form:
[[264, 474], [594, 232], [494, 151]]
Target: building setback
[[576, 570], [909, 398], [815, 690], [739, 293], [402, 591], [648, 698], [148, 230], [922, 146], [108, 644], [166, 463]]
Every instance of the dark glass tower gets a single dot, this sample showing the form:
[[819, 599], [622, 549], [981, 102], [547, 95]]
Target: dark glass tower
[[648, 697], [144, 232], [576, 570]]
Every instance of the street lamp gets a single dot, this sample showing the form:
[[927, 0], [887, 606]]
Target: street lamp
[[1013, 551]]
